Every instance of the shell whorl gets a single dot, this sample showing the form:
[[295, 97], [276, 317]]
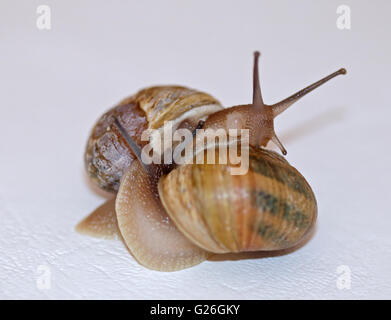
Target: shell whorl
[[167, 103]]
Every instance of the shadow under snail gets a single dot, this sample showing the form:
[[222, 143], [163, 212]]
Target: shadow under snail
[[174, 216]]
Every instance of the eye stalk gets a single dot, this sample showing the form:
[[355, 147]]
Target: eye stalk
[[257, 95], [261, 117], [154, 171], [131, 143]]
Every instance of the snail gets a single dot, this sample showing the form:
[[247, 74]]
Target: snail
[[175, 216]]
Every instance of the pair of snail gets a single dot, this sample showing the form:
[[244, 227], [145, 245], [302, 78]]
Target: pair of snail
[[173, 217]]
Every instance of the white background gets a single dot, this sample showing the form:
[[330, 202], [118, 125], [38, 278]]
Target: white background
[[55, 84]]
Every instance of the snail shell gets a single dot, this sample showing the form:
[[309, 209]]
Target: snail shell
[[107, 154], [271, 207]]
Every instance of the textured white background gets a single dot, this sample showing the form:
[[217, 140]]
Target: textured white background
[[55, 84]]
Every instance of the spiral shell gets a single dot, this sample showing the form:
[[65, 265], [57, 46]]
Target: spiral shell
[[271, 207], [107, 154]]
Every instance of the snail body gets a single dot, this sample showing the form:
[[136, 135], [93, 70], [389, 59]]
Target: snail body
[[147, 230], [173, 217]]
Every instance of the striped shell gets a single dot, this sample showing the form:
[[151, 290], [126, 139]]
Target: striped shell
[[271, 207], [107, 154], [166, 103]]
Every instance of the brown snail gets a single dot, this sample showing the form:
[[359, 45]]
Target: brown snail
[[173, 217]]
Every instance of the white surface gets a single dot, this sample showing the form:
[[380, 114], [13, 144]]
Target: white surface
[[55, 84]]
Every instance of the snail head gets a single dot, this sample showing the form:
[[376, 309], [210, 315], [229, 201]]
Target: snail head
[[258, 117]]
